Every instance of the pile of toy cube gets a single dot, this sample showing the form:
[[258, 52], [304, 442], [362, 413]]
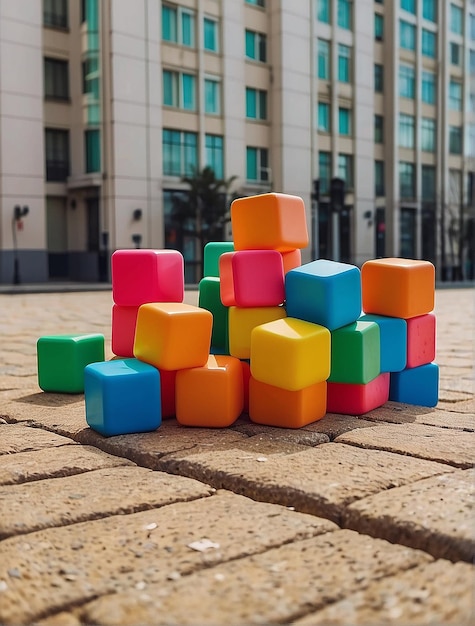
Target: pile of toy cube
[[284, 342]]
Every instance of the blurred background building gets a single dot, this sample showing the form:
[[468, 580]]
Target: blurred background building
[[105, 105]]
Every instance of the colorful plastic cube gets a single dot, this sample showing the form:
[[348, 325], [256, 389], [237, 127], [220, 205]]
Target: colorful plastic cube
[[393, 338], [421, 340], [324, 292], [209, 298], [242, 321], [142, 276], [291, 259], [350, 399], [279, 407], [62, 358], [172, 335], [211, 253], [246, 376], [398, 287], [355, 353], [417, 385], [122, 396], [252, 278], [290, 353], [211, 395], [167, 393], [269, 221], [124, 319]]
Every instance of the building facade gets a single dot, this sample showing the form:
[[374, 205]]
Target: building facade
[[105, 105]]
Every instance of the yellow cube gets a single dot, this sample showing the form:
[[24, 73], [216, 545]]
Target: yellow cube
[[173, 335], [290, 353], [242, 320]]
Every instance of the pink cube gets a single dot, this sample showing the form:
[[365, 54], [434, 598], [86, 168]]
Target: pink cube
[[124, 319], [420, 340], [252, 278], [356, 399], [142, 276]]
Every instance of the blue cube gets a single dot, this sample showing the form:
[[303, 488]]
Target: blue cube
[[393, 338], [416, 385], [122, 396], [324, 292], [211, 253]]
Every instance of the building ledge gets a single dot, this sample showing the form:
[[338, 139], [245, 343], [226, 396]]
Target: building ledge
[[87, 180]]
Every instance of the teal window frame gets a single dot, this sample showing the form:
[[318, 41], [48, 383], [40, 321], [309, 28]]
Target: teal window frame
[[428, 134], [92, 150], [179, 25], [345, 14], [257, 164], [180, 152], [212, 96], [344, 63], [323, 60], [429, 43], [344, 121], [179, 90], [407, 81], [407, 35], [210, 34], [428, 87], [256, 104], [214, 154], [323, 115]]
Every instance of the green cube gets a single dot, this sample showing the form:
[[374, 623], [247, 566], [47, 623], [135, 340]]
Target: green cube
[[212, 251], [355, 353], [209, 298], [62, 359]]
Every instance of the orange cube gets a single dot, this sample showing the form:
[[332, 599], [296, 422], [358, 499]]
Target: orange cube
[[270, 221], [173, 335], [275, 406], [398, 287], [210, 396], [291, 259]]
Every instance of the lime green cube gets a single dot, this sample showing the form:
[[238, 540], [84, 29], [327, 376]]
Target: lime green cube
[[355, 353], [62, 359]]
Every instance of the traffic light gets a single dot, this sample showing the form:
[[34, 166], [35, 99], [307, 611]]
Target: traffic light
[[337, 194]]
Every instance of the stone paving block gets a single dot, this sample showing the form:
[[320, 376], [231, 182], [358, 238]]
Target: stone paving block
[[399, 413], [452, 447], [20, 438], [334, 425], [321, 480], [92, 495], [274, 587], [430, 594], [299, 436], [53, 463], [435, 514], [64, 618], [50, 570]]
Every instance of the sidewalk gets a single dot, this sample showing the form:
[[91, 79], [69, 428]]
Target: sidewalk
[[347, 521]]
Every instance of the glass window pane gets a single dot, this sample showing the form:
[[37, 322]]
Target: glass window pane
[[168, 90], [344, 14], [378, 27], [262, 100], [191, 153], [323, 117], [456, 19], [169, 31], [378, 78], [251, 103], [428, 87], [189, 100], [455, 95], [406, 81], [428, 43], [407, 35], [323, 59], [93, 150], [251, 163], [212, 99], [187, 29], [344, 63], [379, 178], [344, 121], [323, 11], [429, 10], [324, 171], [408, 5], [210, 35], [250, 44]]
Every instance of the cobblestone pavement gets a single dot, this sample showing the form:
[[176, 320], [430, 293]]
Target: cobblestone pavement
[[350, 520]]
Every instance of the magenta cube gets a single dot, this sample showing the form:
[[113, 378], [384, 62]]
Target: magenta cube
[[124, 320], [358, 399], [143, 276], [252, 278], [420, 340]]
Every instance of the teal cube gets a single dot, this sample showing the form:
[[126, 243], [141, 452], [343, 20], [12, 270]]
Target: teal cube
[[393, 334], [355, 353], [212, 251], [209, 299], [62, 359]]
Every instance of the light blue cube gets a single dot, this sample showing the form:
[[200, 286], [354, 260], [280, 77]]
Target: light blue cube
[[416, 385], [211, 253], [324, 292], [393, 338], [122, 396]]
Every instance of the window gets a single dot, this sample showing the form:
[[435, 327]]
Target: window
[[409, 5], [428, 134], [179, 90], [323, 11], [344, 121], [471, 62], [407, 180], [406, 81], [345, 169], [429, 10], [215, 154], [56, 79], [257, 164], [324, 172], [406, 130], [92, 150], [178, 25], [55, 13], [428, 183], [472, 26], [429, 43], [455, 95], [378, 78], [180, 152], [455, 53], [324, 117], [57, 154], [407, 35], [212, 96], [256, 104], [344, 63], [378, 27], [379, 178], [471, 139], [255, 46], [344, 14], [378, 129], [455, 139], [428, 87], [323, 59], [210, 35], [456, 19], [257, 3]]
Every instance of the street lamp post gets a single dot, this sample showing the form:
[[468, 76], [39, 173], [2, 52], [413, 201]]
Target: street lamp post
[[18, 213]]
